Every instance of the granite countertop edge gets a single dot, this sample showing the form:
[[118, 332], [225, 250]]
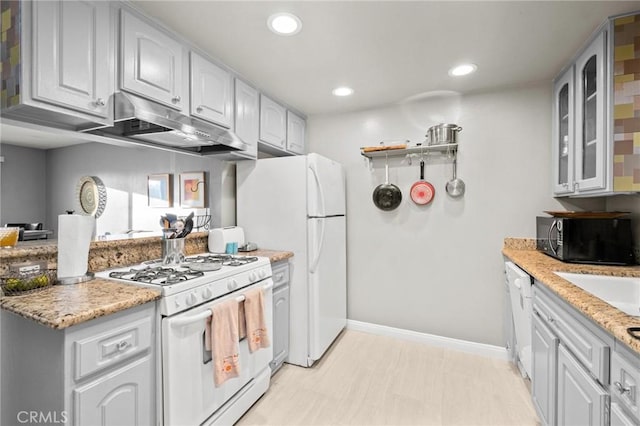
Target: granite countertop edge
[[62, 306], [542, 268]]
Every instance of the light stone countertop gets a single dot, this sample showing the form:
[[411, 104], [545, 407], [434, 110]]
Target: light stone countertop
[[542, 267], [61, 306]]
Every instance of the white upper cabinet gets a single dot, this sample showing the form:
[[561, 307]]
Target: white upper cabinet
[[247, 116], [296, 127], [72, 54], [590, 129], [563, 133], [273, 123], [580, 139], [152, 63], [211, 92]]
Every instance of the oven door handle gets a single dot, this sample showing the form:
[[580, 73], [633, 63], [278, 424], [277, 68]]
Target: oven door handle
[[181, 322]]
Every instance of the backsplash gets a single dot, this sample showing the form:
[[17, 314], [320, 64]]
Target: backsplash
[[626, 166]]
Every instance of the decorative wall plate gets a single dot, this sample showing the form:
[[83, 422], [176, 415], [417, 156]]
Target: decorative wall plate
[[91, 195]]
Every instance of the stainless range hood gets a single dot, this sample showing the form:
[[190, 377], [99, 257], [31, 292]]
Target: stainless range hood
[[149, 123]]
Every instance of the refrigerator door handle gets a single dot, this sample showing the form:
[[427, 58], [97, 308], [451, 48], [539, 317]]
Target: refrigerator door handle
[[314, 264], [319, 186]]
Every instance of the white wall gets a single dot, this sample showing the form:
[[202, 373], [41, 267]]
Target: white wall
[[438, 268], [22, 187], [124, 172]]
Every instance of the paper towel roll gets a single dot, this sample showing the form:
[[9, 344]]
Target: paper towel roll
[[74, 237]]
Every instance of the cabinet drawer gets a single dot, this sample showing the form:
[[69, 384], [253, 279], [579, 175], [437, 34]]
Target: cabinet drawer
[[588, 348], [625, 378], [112, 346], [280, 275]]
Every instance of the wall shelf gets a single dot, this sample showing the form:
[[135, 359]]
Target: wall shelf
[[451, 148]]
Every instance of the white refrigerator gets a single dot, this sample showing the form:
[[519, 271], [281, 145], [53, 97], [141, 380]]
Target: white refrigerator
[[298, 204]]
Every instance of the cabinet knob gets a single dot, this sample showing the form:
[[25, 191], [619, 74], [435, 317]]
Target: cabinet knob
[[176, 99], [100, 102], [123, 345], [199, 109], [621, 389]]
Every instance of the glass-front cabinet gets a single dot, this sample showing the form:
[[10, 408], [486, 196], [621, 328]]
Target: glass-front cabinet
[[579, 122], [563, 133], [590, 114]]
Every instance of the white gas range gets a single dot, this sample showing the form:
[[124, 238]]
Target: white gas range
[[189, 290]]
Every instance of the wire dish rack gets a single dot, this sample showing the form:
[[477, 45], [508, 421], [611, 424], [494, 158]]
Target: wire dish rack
[[18, 284]]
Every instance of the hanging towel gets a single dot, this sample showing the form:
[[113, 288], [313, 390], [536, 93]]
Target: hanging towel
[[254, 316], [221, 338]]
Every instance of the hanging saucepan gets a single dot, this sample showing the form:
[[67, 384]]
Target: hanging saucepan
[[455, 187], [443, 134], [422, 192], [387, 196]]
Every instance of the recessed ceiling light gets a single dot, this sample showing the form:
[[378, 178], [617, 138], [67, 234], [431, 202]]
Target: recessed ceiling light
[[342, 91], [463, 69], [284, 24]]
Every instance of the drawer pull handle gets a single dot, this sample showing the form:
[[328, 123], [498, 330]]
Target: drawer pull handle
[[621, 389], [280, 276], [122, 345]]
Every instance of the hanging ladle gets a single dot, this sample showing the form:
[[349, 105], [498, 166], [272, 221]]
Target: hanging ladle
[[455, 187]]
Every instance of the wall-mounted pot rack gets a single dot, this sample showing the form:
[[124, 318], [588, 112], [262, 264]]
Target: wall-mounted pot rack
[[418, 151]]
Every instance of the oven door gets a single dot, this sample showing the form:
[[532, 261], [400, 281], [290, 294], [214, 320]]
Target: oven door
[[189, 393]]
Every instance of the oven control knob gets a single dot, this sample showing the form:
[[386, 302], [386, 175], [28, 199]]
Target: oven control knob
[[191, 299], [206, 294], [177, 303], [253, 277], [262, 273], [232, 284]]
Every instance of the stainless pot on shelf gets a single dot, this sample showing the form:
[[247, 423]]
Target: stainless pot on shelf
[[442, 134]]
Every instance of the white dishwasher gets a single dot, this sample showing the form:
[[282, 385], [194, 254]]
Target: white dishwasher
[[520, 292]]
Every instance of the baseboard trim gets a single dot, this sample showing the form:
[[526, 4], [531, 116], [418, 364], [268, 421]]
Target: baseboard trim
[[482, 349]]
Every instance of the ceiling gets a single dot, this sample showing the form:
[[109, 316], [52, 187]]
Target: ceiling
[[387, 51]]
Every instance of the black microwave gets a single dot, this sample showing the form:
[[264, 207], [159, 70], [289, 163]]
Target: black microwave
[[606, 241]]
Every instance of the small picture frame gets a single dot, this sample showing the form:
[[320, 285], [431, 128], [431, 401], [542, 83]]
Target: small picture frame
[[193, 189], [159, 190]]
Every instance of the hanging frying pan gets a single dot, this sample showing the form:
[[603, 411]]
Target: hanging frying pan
[[387, 196], [422, 192]]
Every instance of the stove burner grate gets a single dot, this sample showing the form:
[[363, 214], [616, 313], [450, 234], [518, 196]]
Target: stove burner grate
[[226, 259], [153, 274]]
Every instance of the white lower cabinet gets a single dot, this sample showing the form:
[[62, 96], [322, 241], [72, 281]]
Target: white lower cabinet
[[119, 398], [543, 381], [625, 386], [101, 372], [571, 364], [581, 400], [280, 315]]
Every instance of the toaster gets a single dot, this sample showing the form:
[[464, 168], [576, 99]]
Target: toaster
[[219, 237]]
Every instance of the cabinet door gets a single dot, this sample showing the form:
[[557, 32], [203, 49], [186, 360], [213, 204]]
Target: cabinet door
[[619, 417], [247, 110], [563, 138], [280, 325], [152, 63], [543, 370], [273, 126], [590, 141], [211, 92], [296, 127], [123, 397], [73, 55], [581, 400]]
